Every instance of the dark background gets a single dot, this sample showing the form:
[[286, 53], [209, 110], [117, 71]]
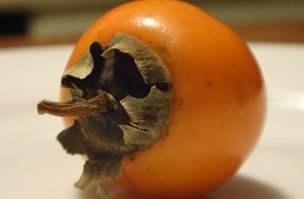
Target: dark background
[[40, 22]]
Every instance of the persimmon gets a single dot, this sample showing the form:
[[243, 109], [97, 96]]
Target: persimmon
[[165, 99]]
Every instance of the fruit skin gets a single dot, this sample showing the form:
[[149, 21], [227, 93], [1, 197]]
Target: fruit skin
[[219, 97]]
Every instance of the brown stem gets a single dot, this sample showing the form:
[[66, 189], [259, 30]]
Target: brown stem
[[102, 102]]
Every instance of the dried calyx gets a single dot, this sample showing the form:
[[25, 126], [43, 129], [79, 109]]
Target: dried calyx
[[121, 95]]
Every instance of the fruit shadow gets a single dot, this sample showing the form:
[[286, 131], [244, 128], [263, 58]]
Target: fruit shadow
[[244, 187], [239, 187]]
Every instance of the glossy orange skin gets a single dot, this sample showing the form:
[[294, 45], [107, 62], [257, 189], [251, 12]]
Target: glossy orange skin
[[219, 97]]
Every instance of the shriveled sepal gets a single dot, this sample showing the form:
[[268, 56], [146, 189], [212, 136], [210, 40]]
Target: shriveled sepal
[[82, 68], [149, 64], [73, 140], [100, 192], [148, 117], [99, 170]]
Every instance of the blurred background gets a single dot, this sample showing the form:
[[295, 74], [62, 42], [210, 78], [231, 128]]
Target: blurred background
[[41, 22], [274, 171]]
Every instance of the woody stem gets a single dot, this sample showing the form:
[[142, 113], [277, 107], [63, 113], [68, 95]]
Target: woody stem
[[102, 102]]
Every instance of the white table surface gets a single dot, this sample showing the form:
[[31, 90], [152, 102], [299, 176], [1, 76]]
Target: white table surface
[[33, 165]]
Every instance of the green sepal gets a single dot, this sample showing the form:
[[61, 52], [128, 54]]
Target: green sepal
[[100, 193], [72, 139], [135, 136], [74, 94], [148, 116], [152, 69], [82, 68], [99, 171]]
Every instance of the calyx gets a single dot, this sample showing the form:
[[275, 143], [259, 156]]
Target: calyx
[[121, 94]]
